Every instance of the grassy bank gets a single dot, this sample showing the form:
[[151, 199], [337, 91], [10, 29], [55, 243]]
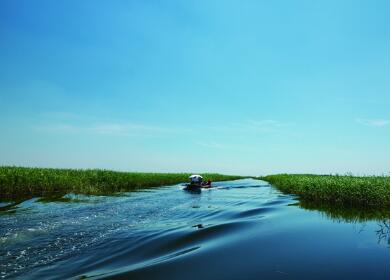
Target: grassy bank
[[342, 190], [21, 183]]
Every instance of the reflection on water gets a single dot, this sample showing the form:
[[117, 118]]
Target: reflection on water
[[242, 229], [383, 232], [353, 215], [346, 214]]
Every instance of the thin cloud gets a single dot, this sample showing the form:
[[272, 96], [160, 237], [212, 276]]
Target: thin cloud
[[373, 122], [124, 128], [260, 125], [214, 145], [249, 126], [58, 128], [103, 128], [112, 128], [265, 123], [70, 122], [65, 116]]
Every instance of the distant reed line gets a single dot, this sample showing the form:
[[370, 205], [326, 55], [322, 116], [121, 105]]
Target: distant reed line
[[369, 191], [22, 182]]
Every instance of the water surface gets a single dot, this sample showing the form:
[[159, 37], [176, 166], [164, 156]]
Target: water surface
[[242, 229]]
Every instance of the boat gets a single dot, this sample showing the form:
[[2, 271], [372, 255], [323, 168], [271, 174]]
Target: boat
[[192, 186], [196, 184]]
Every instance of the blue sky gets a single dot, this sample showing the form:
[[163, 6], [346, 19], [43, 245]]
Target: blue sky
[[239, 87]]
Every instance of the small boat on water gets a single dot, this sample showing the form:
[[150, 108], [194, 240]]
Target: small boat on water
[[192, 188], [196, 183]]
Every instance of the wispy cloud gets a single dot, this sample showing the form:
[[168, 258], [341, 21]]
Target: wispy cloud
[[65, 116], [373, 122], [101, 128], [124, 128], [214, 145], [260, 124], [58, 127], [70, 122], [251, 126]]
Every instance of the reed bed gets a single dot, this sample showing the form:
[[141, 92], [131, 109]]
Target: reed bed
[[22, 182], [370, 191]]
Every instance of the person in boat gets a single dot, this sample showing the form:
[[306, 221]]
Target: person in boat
[[207, 184], [196, 180]]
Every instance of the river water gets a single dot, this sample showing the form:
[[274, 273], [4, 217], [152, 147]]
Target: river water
[[242, 229]]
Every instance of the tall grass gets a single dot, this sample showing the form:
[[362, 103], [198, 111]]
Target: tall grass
[[371, 191], [22, 182]]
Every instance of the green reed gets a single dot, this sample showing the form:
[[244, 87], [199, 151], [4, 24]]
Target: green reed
[[373, 191], [22, 182]]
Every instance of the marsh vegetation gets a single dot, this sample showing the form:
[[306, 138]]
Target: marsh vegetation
[[352, 191], [21, 183]]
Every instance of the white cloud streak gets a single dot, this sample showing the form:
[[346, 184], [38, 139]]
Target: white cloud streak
[[252, 126], [58, 128], [102, 128], [373, 122], [66, 122], [261, 124], [214, 145], [124, 128]]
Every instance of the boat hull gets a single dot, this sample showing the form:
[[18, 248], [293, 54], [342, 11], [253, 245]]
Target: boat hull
[[196, 187]]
